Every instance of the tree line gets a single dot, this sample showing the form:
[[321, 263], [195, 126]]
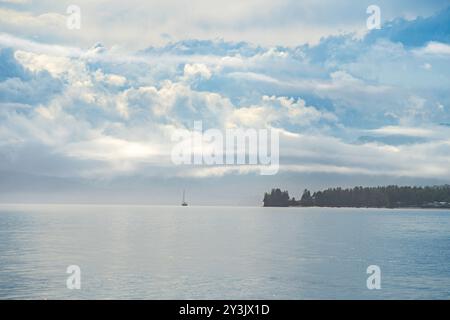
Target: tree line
[[370, 197]]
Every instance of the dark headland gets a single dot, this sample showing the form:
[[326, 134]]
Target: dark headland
[[365, 197]]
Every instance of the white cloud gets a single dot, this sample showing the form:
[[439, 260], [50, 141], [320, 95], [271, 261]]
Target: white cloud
[[284, 22], [55, 65], [112, 79], [112, 112], [435, 48], [197, 69], [404, 131]]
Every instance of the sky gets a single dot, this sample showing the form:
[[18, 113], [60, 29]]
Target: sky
[[87, 115]]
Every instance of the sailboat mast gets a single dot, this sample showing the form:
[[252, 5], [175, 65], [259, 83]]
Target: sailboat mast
[[184, 203]]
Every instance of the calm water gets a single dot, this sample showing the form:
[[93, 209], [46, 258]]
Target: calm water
[[132, 252]]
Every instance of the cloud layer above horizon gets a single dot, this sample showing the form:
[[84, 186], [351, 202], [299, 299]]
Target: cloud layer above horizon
[[376, 103]]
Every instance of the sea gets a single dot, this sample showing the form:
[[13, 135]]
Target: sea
[[199, 252]]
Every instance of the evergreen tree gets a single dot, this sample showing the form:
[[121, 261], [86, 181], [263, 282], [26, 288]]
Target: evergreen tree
[[306, 200], [276, 198], [373, 197]]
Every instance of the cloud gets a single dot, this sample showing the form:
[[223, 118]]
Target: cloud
[[198, 69], [20, 85], [269, 23], [340, 106], [435, 48], [404, 131]]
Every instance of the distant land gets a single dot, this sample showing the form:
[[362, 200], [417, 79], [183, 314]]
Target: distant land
[[365, 197]]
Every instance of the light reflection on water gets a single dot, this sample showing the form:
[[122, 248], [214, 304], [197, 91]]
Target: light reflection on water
[[150, 252]]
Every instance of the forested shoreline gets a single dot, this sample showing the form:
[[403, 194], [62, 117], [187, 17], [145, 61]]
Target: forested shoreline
[[365, 197]]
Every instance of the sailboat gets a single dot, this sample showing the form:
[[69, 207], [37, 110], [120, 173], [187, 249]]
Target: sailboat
[[184, 203]]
